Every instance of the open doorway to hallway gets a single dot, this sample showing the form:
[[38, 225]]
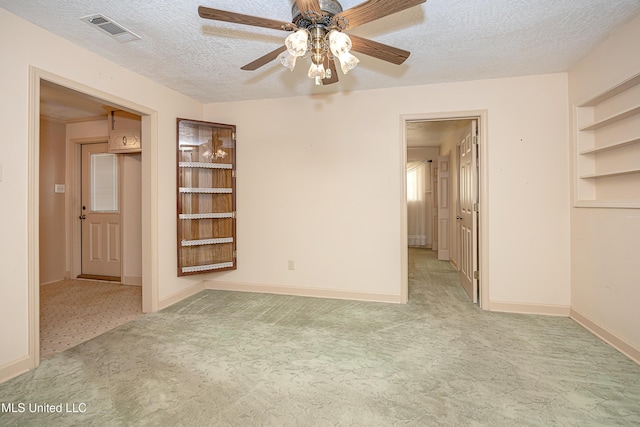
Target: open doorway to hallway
[[442, 193], [75, 206]]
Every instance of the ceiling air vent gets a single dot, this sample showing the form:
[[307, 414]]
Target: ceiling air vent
[[110, 27]]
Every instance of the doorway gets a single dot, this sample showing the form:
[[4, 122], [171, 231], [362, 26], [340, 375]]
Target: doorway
[[459, 197], [147, 194]]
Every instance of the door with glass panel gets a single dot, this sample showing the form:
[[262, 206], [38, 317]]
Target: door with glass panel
[[100, 213]]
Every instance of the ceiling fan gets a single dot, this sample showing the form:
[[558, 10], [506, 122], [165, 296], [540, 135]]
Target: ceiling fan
[[317, 30]]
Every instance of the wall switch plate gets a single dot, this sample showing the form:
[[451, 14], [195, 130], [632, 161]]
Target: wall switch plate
[[58, 188], [292, 265]]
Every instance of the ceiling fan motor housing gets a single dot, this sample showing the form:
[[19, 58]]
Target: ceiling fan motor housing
[[328, 7]]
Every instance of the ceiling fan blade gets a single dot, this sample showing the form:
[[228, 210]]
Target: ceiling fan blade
[[263, 60], [379, 50], [371, 10], [309, 6], [334, 73], [238, 18]]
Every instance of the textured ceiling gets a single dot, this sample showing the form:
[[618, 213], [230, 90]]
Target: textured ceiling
[[449, 40]]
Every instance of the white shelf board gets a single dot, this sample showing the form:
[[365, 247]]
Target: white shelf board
[[608, 174], [612, 119], [611, 146], [610, 93]]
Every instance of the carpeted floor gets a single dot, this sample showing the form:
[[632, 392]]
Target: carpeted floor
[[241, 359], [74, 311]]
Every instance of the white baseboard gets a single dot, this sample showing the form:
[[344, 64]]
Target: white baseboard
[[180, 295], [301, 292], [13, 369], [530, 308], [131, 281], [52, 281], [607, 336]]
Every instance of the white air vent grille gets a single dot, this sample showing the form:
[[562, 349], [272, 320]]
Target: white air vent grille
[[110, 27]]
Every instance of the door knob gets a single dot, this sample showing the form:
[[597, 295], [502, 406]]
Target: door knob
[[82, 217], [458, 217]]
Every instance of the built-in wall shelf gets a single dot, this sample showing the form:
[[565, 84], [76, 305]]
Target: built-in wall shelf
[[607, 148], [206, 193]]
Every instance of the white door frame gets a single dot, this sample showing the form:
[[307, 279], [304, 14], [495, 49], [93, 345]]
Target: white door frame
[[150, 300], [483, 185]]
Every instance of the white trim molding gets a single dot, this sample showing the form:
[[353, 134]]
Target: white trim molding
[[150, 229], [607, 336], [15, 368], [180, 295], [301, 292], [530, 308], [132, 280], [483, 184]]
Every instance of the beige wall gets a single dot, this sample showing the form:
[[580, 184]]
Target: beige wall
[[57, 57], [132, 219], [606, 242], [339, 219], [52, 223]]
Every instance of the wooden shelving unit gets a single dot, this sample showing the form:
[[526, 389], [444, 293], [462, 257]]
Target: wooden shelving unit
[[607, 148], [206, 194]]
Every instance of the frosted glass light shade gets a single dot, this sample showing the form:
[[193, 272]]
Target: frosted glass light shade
[[339, 42], [347, 62], [317, 70], [287, 60], [297, 42]]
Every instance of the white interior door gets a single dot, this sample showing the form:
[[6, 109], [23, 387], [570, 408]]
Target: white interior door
[[100, 212], [444, 205], [468, 214]]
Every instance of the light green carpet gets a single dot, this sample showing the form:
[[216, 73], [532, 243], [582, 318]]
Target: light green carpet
[[241, 359]]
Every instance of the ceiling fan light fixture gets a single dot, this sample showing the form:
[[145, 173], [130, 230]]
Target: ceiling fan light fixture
[[347, 62], [339, 42], [317, 70], [317, 31], [288, 60], [297, 42], [340, 46]]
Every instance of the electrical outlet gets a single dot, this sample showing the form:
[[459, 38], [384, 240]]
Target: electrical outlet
[[292, 264], [58, 188]]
